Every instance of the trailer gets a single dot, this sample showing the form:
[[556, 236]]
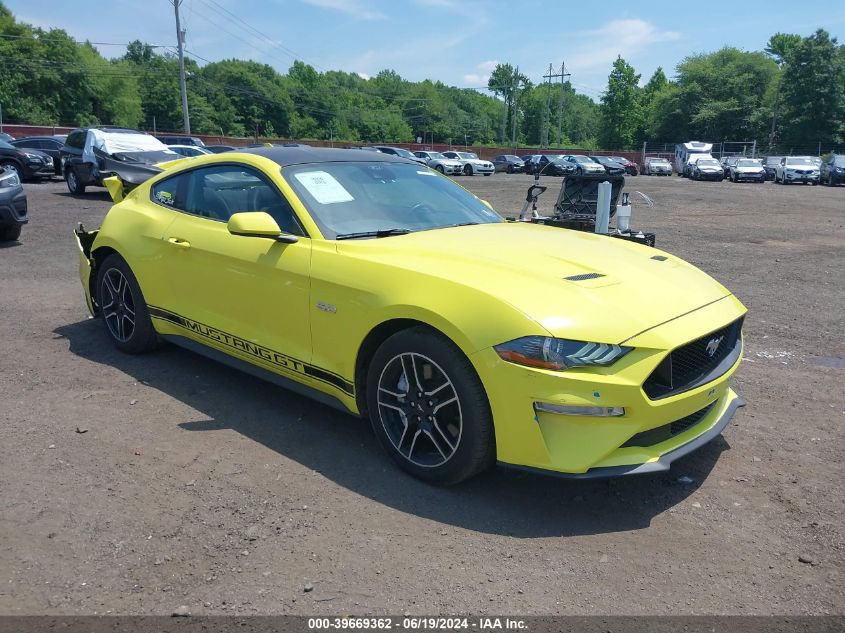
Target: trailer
[[686, 153]]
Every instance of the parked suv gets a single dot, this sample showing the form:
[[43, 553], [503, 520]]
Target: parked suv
[[508, 163], [793, 169], [770, 164], [12, 205], [50, 145], [91, 154], [832, 171], [28, 163]]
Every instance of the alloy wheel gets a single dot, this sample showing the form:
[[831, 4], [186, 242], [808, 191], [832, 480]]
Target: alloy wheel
[[117, 305], [419, 409]]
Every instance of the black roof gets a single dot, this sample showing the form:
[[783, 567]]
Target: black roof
[[285, 156]]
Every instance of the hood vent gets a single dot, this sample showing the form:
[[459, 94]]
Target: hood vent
[[584, 277], [660, 258]]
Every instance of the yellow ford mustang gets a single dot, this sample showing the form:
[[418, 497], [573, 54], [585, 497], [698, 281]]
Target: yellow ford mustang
[[384, 288]]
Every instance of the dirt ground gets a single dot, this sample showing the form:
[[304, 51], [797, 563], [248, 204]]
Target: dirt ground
[[195, 485]]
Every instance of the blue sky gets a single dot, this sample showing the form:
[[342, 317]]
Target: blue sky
[[457, 42]]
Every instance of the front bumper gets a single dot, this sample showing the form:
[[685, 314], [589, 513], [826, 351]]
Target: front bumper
[[716, 175], [84, 242], [587, 446], [837, 178], [664, 462], [38, 169], [749, 176], [802, 178], [13, 209]]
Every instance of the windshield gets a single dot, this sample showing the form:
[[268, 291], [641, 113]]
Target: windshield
[[581, 159], [708, 162], [6, 145], [359, 197], [800, 161], [468, 155], [839, 161], [436, 156], [748, 163], [659, 161], [773, 160]]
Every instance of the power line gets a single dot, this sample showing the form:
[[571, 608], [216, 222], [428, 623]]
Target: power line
[[270, 40], [59, 39]]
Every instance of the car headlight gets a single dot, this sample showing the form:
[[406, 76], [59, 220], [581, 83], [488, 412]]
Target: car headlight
[[558, 354], [9, 179], [32, 156]]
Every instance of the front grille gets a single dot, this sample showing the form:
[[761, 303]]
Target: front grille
[[668, 431], [694, 363]]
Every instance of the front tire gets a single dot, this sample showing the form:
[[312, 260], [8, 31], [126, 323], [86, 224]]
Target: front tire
[[440, 169], [122, 307], [12, 166], [428, 407], [10, 232], [467, 170]]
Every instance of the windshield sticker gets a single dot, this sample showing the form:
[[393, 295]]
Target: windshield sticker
[[324, 187], [164, 197]]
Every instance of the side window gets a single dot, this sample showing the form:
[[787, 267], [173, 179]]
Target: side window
[[170, 192], [76, 139], [219, 192]]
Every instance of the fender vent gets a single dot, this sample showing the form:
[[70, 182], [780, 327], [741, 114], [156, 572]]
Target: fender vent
[[584, 277]]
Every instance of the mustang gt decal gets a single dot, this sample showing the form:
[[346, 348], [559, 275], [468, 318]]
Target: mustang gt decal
[[262, 353]]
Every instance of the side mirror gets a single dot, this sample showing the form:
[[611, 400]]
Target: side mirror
[[258, 224]]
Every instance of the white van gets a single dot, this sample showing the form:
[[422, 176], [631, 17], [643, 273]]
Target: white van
[[687, 153]]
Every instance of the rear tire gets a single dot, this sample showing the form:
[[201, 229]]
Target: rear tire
[[73, 183], [429, 409], [122, 307]]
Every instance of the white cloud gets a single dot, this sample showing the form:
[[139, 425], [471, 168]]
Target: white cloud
[[363, 76], [474, 80], [479, 79], [627, 37], [354, 8]]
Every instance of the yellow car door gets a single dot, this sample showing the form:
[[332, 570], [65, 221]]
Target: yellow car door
[[245, 296]]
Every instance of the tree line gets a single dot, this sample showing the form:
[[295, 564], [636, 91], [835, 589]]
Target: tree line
[[48, 78]]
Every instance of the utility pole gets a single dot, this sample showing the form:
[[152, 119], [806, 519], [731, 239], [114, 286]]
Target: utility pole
[[563, 76], [515, 107], [180, 38], [544, 131]]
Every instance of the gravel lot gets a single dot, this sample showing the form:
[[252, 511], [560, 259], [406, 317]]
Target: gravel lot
[[196, 485]]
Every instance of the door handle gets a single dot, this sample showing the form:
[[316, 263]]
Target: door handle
[[178, 241]]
